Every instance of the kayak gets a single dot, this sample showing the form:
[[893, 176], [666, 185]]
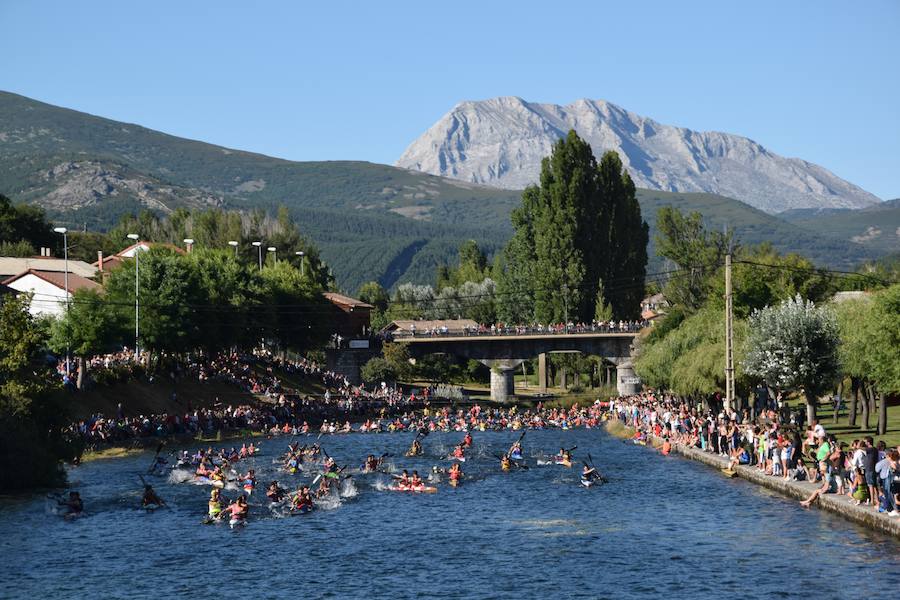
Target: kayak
[[454, 482], [516, 456], [459, 458], [207, 481], [565, 463], [419, 489], [236, 522], [307, 508], [588, 482]]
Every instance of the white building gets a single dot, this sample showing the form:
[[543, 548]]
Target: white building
[[49, 293]]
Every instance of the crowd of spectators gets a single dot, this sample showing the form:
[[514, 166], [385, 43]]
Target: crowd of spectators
[[532, 329], [772, 438], [279, 407]]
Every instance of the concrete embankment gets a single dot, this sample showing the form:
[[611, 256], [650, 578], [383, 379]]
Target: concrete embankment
[[863, 515]]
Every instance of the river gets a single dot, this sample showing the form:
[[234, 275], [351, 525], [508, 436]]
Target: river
[[661, 526]]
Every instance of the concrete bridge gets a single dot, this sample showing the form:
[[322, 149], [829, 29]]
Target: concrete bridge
[[504, 353]]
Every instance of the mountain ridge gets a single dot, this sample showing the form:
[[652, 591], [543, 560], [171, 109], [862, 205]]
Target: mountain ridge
[[501, 141], [370, 221]]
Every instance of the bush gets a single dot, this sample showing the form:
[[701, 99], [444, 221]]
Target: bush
[[378, 369]]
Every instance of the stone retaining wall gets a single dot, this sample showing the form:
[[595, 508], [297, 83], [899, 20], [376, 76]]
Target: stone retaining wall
[[863, 515]]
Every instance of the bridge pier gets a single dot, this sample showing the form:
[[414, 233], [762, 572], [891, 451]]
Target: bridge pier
[[627, 383], [503, 382], [543, 373]]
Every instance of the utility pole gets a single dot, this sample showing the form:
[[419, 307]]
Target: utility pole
[[729, 336]]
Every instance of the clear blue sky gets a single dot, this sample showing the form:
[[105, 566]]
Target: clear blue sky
[[818, 80]]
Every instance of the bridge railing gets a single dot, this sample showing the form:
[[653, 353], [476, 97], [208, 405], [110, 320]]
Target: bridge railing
[[517, 330]]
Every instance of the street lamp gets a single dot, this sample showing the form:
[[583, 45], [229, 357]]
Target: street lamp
[[235, 245], [190, 244], [259, 248], [64, 231], [137, 305], [274, 256], [300, 254]]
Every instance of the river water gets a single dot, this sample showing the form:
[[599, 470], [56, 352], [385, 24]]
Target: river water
[[661, 526]]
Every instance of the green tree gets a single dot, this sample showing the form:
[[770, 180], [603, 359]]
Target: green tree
[[372, 293], [397, 356], [793, 346], [89, 326], [884, 348], [581, 226], [684, 240], [171, 307], [31, 418], [377, 369]]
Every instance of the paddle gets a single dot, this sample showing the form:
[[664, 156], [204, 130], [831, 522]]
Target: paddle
[[155, 458]]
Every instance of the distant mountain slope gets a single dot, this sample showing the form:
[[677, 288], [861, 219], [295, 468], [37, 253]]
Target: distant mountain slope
[[372, 222], [501, 142], [877, 227]]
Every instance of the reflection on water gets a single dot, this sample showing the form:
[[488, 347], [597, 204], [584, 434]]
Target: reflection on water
[[662, 526]]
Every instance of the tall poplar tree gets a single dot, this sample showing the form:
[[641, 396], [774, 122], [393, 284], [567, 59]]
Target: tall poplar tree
[[579, 234]]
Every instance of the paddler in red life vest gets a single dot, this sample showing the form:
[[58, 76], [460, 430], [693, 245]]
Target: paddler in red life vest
[[458, 452], [403, 480], [371, 463], [455, 474], [467, 441], [302, 500], [415, 481]]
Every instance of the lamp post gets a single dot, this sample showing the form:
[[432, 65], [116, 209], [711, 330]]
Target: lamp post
[[234, 244], [64, 232], [189, 243], [300, 254], [137, 305], [274, 256], [259, 248]]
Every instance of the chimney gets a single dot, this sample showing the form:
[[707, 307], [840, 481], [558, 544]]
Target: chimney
[[100, 260]]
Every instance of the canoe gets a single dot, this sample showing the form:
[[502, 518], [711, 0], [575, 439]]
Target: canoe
[[422, 489]]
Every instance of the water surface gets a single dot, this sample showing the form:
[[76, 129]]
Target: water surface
[[662, 526]]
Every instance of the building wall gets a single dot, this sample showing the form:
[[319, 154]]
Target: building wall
[[48, 299]]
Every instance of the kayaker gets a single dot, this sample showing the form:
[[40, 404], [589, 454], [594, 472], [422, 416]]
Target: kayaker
[[415, 481], [589, 473], [303, 499], [250, 478], [505, 463], [455, 474], [275, 493], [239, 509], [415, 449], [371, 463], [467, 441], [515, 452], [564, 456], [324, 487], [73, 504], [217, 474], [403, 480], [458, 452], [215, 504], [151, 497]]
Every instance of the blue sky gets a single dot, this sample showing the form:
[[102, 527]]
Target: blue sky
[[818, 80]]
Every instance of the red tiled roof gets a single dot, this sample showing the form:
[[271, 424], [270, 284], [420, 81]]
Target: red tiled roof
[[76, 282], [343, 300]]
